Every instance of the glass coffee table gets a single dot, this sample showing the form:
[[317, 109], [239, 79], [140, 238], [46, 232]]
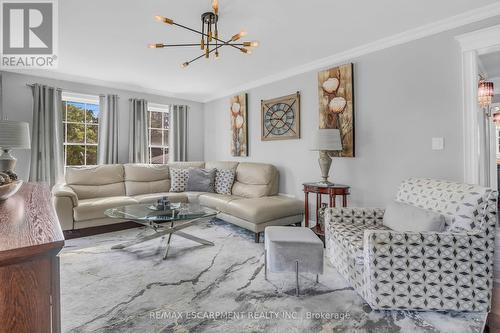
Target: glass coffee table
[[163, 222]]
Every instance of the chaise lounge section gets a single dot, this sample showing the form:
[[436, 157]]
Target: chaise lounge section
[[254, 204]]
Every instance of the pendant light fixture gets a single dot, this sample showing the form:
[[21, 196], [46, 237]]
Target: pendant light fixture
[[485, 93], [210, 41]]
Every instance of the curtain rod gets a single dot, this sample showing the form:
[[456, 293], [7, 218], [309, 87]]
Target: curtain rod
[[61, 89], [31, 85]]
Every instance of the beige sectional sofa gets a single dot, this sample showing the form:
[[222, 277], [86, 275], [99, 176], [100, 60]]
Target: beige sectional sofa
[[254, 204]]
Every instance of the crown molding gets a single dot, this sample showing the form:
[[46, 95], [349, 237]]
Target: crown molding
[[483, 41], [52, 75], [384, 43]]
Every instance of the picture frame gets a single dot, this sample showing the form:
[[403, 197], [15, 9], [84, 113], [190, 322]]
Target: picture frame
[[280, 118]]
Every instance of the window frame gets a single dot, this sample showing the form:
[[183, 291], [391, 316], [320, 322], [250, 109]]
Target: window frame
[[165, 111], [71, 97]]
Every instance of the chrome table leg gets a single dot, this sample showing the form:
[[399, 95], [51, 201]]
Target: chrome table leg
[[297, 277]]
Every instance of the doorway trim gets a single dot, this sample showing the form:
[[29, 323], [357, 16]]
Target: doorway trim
[[472, 45]]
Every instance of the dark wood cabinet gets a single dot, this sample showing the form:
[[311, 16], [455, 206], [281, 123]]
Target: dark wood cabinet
[[30, 240]]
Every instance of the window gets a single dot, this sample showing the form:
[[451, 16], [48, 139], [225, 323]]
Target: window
[[158, 128], [81, 129]]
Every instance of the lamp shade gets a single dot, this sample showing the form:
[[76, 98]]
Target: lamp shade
[[327, 139], [14, 135]]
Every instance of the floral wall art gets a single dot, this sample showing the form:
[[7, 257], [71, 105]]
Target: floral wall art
[[239, 130], [336, 105]]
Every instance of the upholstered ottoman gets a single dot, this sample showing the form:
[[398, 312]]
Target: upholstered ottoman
[[293, 249]]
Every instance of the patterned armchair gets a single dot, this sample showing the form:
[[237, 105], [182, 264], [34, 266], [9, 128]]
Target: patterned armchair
[[443, 271]]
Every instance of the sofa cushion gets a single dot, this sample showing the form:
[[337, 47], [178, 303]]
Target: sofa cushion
[[146, 178], [94, 175], [403, 217], [224, 179], [153, 197], [215, 200], [186, 165], [225, 165], [350, 236], [255, 180], [178, 179], [99, 191], [260, 210], [201, 180], [89, 209], [96, 181]]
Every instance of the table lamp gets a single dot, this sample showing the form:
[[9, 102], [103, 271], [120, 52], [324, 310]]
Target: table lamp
[[13, 135], [326, 140]]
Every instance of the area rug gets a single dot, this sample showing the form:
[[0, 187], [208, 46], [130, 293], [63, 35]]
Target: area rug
[[219, 288]]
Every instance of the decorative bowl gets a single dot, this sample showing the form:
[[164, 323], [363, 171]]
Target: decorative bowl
[[8, 190]]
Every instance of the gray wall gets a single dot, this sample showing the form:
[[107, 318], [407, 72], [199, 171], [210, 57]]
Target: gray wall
[[404, 96], [17, 105]]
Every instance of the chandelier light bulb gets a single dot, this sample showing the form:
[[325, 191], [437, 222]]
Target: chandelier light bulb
[[185, 64], [238, 35], [155, 46], [215, 6], [247, 51], [164, 19], [252, 44]]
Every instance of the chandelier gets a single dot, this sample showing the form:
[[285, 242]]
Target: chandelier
[[210, 42], [485, 93]]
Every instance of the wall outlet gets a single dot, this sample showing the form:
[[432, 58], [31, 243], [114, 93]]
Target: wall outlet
[[437, 143]]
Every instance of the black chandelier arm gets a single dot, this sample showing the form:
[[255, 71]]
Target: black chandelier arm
[[205, 35], [197, 44], [201, 56]]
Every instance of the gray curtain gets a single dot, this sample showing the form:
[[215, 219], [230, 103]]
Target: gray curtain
[[138, 145], [108, 130], [1, 98], [178, 133], [47, 161]]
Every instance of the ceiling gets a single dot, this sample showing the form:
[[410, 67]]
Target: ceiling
[[106, 40]]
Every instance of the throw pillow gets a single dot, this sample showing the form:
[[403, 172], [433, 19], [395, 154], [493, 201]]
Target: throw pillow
[[403, 217], [224, 179], [201, 180], [178, 179]]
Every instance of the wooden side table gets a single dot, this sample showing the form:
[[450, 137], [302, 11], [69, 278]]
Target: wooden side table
[[333, 191]]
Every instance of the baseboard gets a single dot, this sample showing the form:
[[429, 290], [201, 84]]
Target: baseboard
[[102, 229]]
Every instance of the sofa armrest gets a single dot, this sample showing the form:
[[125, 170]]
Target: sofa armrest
[[63, 190], [368, 216], [428, 270], [65, 199]]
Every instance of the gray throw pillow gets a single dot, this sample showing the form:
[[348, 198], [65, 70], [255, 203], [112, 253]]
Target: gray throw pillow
[[403, 217], [201, 180]]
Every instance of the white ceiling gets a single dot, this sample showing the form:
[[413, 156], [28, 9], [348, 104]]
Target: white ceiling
[[106, 40]]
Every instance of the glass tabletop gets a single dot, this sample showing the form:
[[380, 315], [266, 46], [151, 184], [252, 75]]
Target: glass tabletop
[[148, 213]]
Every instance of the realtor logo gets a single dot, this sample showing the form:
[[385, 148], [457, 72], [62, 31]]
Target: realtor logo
[[29, 34]]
